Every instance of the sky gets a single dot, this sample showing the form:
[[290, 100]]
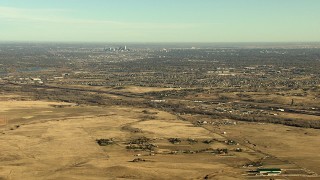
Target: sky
[[160, 20]]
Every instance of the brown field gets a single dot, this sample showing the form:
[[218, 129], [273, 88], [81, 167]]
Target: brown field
[[130, 89], [54, 140], [296, 145], [66, 148], [138, 89]]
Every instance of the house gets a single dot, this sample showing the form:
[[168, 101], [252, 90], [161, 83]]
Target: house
[[269, 171], [158, 101], [265, 172], [37, 80]]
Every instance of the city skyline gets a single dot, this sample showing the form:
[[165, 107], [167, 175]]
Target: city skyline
[[160, 21]]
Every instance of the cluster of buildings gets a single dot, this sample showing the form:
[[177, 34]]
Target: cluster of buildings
[[112, 49]]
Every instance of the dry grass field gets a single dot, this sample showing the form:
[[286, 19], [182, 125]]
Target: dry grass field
[[62, 145], [54, 140]]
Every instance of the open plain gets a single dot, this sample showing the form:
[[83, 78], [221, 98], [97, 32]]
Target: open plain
[[63, 145]]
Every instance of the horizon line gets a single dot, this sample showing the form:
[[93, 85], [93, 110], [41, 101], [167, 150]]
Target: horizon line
[[155, 42]]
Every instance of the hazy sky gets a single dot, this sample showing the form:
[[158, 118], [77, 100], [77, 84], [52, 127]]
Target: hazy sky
[[160, 20]]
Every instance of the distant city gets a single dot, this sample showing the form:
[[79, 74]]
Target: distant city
[[112, 49]]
